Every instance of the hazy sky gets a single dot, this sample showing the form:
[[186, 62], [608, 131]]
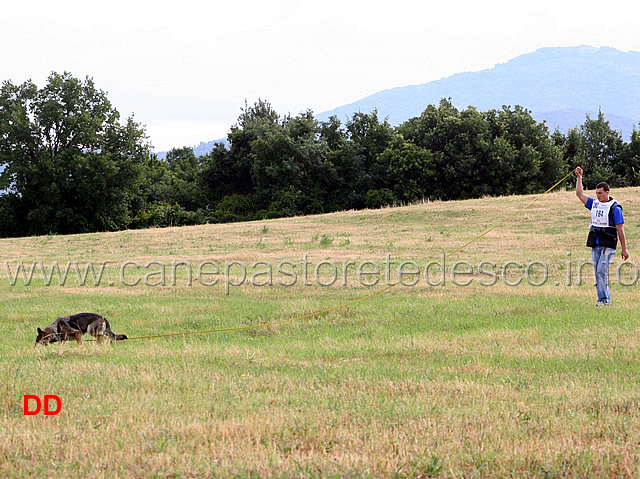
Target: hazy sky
[[184, 68]]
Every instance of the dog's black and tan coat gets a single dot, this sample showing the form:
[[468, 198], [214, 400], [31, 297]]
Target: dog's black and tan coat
[[66, 328]]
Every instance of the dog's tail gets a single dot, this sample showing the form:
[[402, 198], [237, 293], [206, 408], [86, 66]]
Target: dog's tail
[[115, 337]]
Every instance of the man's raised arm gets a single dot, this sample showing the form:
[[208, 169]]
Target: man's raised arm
[[579, 188]]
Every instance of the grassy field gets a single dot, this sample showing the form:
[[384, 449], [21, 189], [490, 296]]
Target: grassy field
[[515, 374]]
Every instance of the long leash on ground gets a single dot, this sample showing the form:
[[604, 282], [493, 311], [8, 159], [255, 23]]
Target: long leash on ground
[[363, 298]]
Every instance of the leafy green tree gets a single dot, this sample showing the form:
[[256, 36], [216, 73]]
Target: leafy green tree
[[228, 171], [348, 189], [498, 152], [598, 148], [370, 137], [460, 141], [627, 168], [278, 165], [332, 133], [220, 177], [410, 169], [338, 191], [524, 157], [354, 155], [289, 157], [184, 186], [71, 166]]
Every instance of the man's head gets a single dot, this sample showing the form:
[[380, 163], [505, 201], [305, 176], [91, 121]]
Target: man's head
[[602, 192]]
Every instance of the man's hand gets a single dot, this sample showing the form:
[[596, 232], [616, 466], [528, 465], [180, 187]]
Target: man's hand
[[625, 254], [578, 172]]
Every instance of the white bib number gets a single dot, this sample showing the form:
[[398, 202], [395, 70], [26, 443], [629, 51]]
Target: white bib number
[[600, 213]]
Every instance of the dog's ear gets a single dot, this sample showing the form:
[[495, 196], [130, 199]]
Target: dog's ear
[[40, 331]]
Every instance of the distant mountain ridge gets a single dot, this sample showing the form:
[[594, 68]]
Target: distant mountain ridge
[[558, 84]]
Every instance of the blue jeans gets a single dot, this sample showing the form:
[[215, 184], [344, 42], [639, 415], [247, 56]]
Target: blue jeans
[[601, 257]]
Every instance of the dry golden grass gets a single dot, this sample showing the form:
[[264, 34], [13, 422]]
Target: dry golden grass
[[421, 231]]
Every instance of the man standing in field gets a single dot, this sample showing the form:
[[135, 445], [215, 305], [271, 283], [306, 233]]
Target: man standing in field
[[607, 225]]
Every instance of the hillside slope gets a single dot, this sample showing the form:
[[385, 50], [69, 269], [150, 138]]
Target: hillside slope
[[421, 231]]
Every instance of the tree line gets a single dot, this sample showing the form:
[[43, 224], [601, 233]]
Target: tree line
[[70, 164]]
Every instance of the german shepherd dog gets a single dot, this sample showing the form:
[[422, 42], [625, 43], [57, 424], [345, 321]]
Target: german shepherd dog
[[66, 328]]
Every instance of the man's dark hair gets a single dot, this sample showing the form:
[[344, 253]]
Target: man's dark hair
[[604, 185]]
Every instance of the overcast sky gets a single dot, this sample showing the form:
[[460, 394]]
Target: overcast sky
[[184, 68]]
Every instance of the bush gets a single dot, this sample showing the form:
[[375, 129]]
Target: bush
[[379, 198], [162, 215], [235, 207]]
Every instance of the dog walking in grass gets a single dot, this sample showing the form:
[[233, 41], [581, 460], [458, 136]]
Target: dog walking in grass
[[66, 328]]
